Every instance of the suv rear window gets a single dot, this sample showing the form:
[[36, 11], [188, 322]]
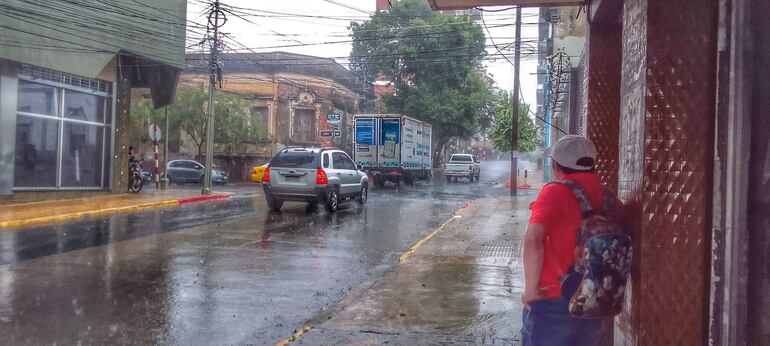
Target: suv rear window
[[295, 159], [461, 158]]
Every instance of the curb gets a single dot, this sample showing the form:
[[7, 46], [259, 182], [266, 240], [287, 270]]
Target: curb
[[105, 211], [80, 214], [455, 215], [201, 198]]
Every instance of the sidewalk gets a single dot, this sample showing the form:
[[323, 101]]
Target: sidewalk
[[23, 214], [460, 285]]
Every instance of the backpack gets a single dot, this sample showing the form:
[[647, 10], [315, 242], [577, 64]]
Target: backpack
[[595, 285]]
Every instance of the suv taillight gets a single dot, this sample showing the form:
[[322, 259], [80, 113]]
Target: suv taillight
[[321, 178], [266, 176]]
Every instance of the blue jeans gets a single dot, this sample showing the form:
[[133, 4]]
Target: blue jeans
[[548, 323]]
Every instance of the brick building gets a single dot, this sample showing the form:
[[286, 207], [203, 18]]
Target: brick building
[[293, 94]]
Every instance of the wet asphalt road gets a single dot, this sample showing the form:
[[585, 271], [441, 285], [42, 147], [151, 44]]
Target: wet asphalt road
[[227, 272]]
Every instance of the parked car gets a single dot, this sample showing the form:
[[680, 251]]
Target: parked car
[[257, 172], [314, 175], [146, 175], [462, 166], [189, 171]]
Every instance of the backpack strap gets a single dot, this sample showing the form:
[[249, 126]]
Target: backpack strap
[[609, 204], [580, 195]]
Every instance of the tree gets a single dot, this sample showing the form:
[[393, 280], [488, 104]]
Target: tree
[[501, 130], [233, 123], [433, 61]]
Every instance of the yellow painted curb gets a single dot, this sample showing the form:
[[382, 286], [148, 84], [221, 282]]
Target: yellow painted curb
[[80, 214], [294, 337]]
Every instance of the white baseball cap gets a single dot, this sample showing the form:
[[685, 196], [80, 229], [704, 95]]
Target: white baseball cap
[[570, 149]]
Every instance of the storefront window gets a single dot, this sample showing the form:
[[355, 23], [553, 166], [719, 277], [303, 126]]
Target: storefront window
[[82, 106], [37, 148], [82, 155], [62, 137], [38, 99]]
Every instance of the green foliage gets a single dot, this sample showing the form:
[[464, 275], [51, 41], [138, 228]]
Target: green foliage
[[233, 122], [501, 130], [434, 62]]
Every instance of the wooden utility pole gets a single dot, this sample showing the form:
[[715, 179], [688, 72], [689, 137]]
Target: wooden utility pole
[[515, 102]]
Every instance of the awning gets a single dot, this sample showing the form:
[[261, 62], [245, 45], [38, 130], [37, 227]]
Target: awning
[[82, 37]]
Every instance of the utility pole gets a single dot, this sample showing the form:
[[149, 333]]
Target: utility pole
[[515, 102], [164, 179], [213, 24]]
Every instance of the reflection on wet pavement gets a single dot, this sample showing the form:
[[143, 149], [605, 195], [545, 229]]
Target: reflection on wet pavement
[[226, 272]]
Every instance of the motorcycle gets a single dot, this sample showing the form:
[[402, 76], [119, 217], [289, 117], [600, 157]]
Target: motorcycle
[[135, 181]]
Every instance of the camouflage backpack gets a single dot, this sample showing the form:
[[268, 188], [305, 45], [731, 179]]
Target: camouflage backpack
[[596, 282]]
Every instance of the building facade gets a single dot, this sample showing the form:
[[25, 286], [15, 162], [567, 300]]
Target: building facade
[[65, 90], [677, 103], [303, 100]]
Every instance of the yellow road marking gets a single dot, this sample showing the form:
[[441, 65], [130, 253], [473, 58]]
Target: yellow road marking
[[422, 241], [295, 336], [80, 214]]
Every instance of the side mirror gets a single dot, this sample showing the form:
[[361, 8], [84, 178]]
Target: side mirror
[[360, 167]]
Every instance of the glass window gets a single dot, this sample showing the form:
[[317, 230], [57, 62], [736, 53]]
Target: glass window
[[82, 155], [82, 106], [461, 158], [341, 161], [37, 98], [37, 148], [349, 161], [61, 138], [326, 161], [295, 159]]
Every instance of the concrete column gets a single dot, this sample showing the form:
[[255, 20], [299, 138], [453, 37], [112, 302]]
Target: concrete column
[[758, 300], [122, 131], [8, 99], [667, 98]]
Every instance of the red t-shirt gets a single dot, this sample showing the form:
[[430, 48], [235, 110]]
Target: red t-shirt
[[558, 211]]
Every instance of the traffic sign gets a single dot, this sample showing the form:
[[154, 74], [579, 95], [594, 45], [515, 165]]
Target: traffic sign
[[333, 118], [337, 133], [154, 131], [327, 134]]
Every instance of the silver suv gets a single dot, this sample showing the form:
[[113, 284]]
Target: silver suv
[[314, 175]]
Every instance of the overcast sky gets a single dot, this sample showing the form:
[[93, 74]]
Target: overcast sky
[[298, 26]]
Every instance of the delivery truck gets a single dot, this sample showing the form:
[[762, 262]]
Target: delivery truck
[[392, 147]]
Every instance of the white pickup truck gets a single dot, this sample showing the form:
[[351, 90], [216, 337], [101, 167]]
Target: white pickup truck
[[462, 166]]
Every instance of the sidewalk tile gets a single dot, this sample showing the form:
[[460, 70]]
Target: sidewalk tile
[[460, 287]]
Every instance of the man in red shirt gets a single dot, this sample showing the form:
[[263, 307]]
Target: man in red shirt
[[549, 251]]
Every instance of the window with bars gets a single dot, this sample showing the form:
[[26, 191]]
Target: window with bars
[[63, 131]]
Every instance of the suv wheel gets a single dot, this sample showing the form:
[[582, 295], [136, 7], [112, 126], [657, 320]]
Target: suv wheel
[[364, 196], [332, 200], [273, 203]]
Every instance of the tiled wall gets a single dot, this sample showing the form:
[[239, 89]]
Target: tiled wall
[[666, 159], [603, 98]]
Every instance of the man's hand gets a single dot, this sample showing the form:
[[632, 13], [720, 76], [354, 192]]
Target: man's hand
[[528, 297]]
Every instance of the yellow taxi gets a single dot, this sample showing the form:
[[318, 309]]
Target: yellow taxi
[[257, 172]]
